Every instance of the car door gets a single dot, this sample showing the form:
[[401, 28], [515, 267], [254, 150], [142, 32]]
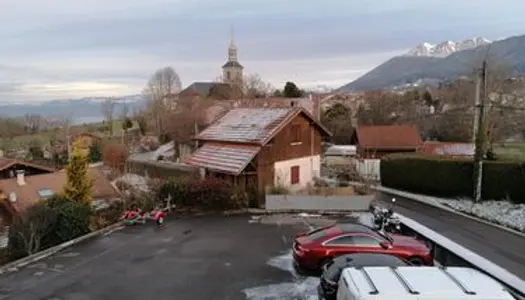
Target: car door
[[340, 245], [367, 244]]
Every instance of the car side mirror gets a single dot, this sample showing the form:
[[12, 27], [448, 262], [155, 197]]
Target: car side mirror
[[385, 245]]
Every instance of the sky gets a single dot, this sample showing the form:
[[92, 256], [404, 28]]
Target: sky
[[61, 49]]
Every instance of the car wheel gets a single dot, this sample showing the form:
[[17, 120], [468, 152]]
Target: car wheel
[[324, 262], [416, 261]]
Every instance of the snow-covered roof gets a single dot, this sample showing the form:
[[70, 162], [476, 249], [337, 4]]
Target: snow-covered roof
[[166, 150]]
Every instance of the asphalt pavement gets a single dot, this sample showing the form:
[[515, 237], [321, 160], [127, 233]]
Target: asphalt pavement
[[211, 257], [502, 247]]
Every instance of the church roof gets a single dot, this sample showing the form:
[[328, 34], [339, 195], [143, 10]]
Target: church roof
[[201, 88], [232, 64]]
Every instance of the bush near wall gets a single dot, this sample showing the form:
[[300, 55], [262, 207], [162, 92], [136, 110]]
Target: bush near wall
[[453, 177], [47, 224], [205, 194]]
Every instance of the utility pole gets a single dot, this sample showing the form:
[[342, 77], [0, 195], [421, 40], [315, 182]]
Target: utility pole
[[479, 132]]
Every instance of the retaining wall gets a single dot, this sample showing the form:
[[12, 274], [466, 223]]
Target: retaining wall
[[318, 203]]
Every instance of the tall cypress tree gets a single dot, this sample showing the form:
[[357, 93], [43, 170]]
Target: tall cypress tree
[[79, 185]]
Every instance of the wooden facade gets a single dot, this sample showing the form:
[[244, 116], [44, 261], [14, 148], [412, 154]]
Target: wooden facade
[[285, 147]]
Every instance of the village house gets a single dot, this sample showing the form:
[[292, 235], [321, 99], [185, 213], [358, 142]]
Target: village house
[[373, 142], [262, 147], [21, 192], [9, 168]]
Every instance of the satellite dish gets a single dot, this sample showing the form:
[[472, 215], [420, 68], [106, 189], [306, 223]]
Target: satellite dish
[[12, 197]]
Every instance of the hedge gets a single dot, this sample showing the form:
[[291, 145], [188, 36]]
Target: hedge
[[205, 194], [453, 177]]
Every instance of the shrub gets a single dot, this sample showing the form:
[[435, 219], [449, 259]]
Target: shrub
[[277, 190], [48, 224], [208, 194], [115, 156], [73, 220], [453, 177]]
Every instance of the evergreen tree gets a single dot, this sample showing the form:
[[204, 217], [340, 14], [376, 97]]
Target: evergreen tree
[[292, 91], [79, 185]]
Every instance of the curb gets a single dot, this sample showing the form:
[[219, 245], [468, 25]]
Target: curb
[[421, 198], [24, 261]]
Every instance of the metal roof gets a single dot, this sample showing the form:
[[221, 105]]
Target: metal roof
[[388, 137], [231, 159], [247, 125], [422, 283]]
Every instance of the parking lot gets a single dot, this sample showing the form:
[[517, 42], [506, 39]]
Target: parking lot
[[207, 257]]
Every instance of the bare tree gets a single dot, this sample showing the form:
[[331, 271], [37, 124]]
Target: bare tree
[[108, 110], [32, 226], [33, 123], [161, 90], [255, 87]]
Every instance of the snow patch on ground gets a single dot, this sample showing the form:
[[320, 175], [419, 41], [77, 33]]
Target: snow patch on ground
[[300, 288], [500, 212]]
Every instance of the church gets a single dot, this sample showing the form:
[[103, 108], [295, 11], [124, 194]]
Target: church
[[231, 81]]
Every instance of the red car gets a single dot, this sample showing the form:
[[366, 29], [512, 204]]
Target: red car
[[316, 248]]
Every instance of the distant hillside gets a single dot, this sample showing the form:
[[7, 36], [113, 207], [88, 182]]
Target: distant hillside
[[85, 108], [405, 69]]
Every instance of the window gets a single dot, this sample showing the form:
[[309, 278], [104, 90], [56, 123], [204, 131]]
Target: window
[[46, 193], [345, 240], [228, 75], [362, 240], [296, 133], [294, 175]]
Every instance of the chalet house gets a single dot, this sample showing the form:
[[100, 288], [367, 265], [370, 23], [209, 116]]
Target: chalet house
[[375, 141], [262, 147], [19, 193], [9, 168]]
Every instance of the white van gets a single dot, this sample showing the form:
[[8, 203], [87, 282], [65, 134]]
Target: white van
[[419, 283]]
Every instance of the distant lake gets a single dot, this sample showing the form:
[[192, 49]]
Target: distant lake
[[87, 120]]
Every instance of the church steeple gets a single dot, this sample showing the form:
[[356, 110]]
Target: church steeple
[[232, 69], [232, 49]]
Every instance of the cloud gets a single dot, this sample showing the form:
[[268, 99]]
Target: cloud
[[57, 48]]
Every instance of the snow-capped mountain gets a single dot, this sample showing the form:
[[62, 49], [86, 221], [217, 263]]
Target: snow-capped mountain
[[444, 49]]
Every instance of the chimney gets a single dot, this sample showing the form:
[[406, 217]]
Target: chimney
[[20, 179]]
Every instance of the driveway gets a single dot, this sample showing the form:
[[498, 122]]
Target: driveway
[[208, 257]]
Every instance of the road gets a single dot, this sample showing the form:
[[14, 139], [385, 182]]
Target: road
[[499, 246]]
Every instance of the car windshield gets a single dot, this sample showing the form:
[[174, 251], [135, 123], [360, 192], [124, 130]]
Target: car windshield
[[333, 272]]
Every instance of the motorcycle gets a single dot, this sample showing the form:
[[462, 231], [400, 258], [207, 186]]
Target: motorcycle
[[384, 219]]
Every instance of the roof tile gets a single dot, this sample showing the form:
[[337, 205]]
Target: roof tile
[[389, 137], [247, 125], [226, 158]]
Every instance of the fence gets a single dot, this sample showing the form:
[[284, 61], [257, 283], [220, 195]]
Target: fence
[[368, 168], [318, 203]]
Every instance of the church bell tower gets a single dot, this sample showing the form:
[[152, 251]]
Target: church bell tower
[[232, 69]]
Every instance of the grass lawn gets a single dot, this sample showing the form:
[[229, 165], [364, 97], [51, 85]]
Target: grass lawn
[[511, 150]]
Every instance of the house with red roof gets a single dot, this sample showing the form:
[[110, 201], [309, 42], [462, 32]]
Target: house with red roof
[[375, 141], [262, 147]]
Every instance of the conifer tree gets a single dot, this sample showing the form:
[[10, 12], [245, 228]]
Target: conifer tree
[[79, 186]]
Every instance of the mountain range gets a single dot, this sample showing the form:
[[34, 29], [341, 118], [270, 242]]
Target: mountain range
[[79, 110], [428, 63]]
